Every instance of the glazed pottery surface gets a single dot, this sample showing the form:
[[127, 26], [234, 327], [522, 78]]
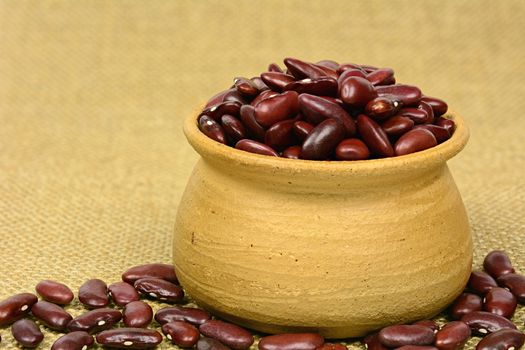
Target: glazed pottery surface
[[337, 247]]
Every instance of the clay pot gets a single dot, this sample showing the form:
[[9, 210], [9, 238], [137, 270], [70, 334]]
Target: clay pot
[[341, 248]]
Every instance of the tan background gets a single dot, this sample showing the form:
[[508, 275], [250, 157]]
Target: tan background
[[93, 93]]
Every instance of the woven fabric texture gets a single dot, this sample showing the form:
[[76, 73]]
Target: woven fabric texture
[[93, 93]]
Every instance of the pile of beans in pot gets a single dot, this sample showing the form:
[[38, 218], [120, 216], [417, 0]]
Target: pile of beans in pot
[[119, 317], [326, 111]]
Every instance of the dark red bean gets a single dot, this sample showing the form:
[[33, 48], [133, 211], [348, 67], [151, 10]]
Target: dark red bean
[[350, 73], [233, 96], [452, 336], [263, 95], [374, 137], [397, 126], [324, 86], [246, 87], [352, 149], [155, 270], [368, 68], [323, 139], [254, 129], [380, 76], [212, 129], [159, 289], [505, 339], [381, 108], [430, 112], [255, 147], [329, 72], [178, 313], [372, 342], [130, 338], [515, 283], [316, 109], [417, 347], [210, 344], [501, 302], [302, 129], [482, 322], [441, 134], [277, 81], [481, 282], [332, 346], [447, 124], [346, 66], [329, 64], [439, 107], [399, 335], [137, 314], [497, 263], [233, 127], [260, 84], [73, 341], [465, 304], [94, 294], [428, 323], [301, 69], [16, 307], [27, 333], [54, 292], [274, 67], [215, 112], [280, 135], [356, 92], [291, 341], [217, 98], [292, 152], [414, 141], [419, 116], [276, 108], [122, 293], [51, 315], [95, 321], [227, 333], [408, 94], [181, 333]]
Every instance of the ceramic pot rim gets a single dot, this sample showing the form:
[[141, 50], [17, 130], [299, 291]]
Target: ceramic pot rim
[[212, 150]]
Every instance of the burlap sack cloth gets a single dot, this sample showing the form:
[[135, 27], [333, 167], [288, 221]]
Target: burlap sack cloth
[[93, 93]]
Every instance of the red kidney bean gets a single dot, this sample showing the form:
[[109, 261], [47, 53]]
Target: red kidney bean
[[254, 129], [439, 107], [212, 129], [233, 127], [226, 107], [280, 135], [352, 149], [292, 152], [16, 307], [407, 94], [277, 81], [381, 108], [137, 314], [399, 335], [130, 338], [316, 109], [413, 141], [441, 134], [497, 263], [501, 302], [356, 92], [122, 293], [177, 313], [291, 341], [227, 333], [95, 321], [210, 344], [374, 137], [155, 270], [329, 64], [94, 294], [255, 147], [397, 125], [27, 333], [260, 84], [346, 66], [54, 292], [276, 108], [417, 347], [246, 87], [329, 72], [73, 341], [234, 96], [350, 73], [515, 283], [51, 315], [428, 323], [181, 333], [368, 68], [302, 129], [262, 96], [274, 67], [430, 112], [332, 346], [372, 342], [452, 336], [217, 98], [380, 76], [482, 322], [481, 282], [447, 124], [301, 69], [160, 289], [323, 139], [324, 86], [505, 339], [419, 116], [465, 304]]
